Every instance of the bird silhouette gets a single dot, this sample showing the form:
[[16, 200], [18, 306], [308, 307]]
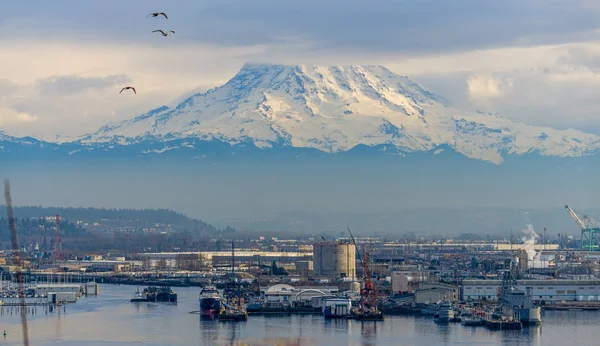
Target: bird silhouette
[[164, 33], [127, 88], [156, 14]]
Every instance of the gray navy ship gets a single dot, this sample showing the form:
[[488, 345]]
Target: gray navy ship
[[516, 302]]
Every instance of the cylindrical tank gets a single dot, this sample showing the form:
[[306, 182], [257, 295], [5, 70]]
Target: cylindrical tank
[[334, 260], [345, 260]]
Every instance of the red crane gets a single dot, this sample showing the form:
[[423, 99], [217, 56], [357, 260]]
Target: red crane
[[368, 292]]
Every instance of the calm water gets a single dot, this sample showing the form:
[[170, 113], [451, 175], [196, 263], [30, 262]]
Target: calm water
[[109, 319]]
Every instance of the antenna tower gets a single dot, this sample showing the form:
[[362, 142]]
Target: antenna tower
[[58, 252]]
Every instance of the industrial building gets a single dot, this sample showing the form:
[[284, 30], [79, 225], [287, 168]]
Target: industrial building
[[335, 260], [403, 281], [223, 258], [546, 290]]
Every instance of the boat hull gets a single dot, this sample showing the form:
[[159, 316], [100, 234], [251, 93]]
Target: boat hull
[[531, 316], [210, 306]]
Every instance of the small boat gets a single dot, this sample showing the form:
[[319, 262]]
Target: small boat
[[429, 309], [469, 320], [138, 297], [445, 313]]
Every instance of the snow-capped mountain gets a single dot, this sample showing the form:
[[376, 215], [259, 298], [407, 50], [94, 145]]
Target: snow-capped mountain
[[333, 109], [13, 144]]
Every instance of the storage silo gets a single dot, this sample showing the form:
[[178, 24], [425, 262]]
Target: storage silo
[[335, 260]]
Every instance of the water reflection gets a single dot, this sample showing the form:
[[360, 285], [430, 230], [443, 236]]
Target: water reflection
[[368, 331], [159, 325], [444, 330], [209, 329]]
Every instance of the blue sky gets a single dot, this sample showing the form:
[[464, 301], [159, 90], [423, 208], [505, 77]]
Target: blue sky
[[64, 61]]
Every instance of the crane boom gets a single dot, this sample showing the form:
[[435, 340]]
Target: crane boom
[[576, 218], [590, 229], [356, 247]]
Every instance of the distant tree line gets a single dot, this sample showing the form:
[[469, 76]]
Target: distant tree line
[[32, 226], [144, 217]]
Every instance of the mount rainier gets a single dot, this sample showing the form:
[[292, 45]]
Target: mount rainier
[[332, 109]]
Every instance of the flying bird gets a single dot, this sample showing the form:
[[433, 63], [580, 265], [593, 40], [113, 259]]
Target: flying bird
[[164, 33], [156, 14], [127, 88]]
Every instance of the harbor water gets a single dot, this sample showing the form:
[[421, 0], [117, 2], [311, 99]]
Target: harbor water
[[110, 319]]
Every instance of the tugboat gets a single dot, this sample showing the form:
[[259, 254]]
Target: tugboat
[[517, 303], [210, 301], [138, 297]]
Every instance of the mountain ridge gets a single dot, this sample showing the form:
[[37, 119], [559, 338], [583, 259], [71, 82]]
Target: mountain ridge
[[332, 109], [335, 108]]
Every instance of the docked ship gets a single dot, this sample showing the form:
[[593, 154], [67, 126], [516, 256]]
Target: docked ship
[[429, 309], [517, 303], [210, 301], [445, 313]]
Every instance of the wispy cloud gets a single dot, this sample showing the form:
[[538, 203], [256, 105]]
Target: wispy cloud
[[68, 85], [64, 61], [12, 117]]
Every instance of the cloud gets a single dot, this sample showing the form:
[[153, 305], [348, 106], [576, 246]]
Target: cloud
[[67, 85], [11, 117], [377, 25], [7, 88], [528, 60], [482, 87]]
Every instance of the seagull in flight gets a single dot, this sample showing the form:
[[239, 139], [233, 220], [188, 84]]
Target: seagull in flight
[[164, 33], [156, 14], [127, 88]]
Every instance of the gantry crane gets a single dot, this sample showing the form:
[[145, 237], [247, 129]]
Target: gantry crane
[[590, 229]]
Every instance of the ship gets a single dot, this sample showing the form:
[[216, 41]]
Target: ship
[[471, 321], [160, 294], [210, 301], [517, 303], [429, 309], [138, 297], [445, 313]]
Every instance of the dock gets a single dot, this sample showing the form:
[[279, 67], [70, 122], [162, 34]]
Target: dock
[[233, 317], [502, 325]]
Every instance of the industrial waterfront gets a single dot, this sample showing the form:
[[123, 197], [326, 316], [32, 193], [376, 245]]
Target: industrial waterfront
[[109, 319]]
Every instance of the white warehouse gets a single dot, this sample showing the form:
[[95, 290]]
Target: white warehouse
[[546, 290]]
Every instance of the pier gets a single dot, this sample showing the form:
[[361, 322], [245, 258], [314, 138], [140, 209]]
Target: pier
[[502, 325]]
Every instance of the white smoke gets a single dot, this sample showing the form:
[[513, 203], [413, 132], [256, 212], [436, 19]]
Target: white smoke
[[529, 238]]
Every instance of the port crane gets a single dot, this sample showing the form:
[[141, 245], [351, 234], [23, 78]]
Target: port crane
[[368, 293], [590, 230]]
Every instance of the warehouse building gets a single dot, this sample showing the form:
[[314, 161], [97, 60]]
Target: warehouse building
[[540, 290]]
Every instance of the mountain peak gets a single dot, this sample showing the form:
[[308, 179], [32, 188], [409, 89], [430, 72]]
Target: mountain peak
[[335, 108]]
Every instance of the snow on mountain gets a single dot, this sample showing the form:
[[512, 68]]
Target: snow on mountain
[[335, 108], [20, 145]]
